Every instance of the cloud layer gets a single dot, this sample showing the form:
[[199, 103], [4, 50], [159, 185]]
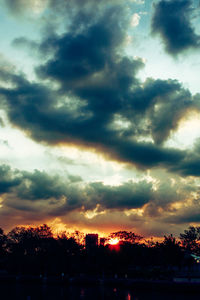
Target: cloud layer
[[172, 20], [38, 196], [87, 93], [97, 100]]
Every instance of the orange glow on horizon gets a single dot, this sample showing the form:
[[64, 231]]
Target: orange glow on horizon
[[114, 241], [58, 227]]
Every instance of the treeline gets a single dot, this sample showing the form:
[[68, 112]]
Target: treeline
[[35, 251]]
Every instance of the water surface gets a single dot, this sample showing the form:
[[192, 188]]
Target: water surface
[[36, 292]]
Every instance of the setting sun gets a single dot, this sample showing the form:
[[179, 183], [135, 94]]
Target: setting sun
[[114, 241]]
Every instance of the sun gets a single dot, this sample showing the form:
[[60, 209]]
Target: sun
[[114, 241]]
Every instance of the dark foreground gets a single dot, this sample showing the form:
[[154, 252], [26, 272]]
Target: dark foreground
[[35, 292]]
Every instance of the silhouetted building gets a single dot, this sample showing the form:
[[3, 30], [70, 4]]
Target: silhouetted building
[[102, 241], [91, 241]]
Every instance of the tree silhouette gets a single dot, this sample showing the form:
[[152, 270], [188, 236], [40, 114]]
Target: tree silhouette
[[126, 236], [3, 239], [34, 250], [170, 251], [28, 240], [190, 239]]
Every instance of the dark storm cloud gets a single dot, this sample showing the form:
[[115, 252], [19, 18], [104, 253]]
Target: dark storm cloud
[[39, 195], [40, 185], [38, 191], [172, 20], [165, 195], [98, 101], [162, 104], [190, 165], [193, 216], [33, 108], [186, 214], [80, 54], [129, 195], [30, 186], [24, 190], [30, 108], [8, 179]]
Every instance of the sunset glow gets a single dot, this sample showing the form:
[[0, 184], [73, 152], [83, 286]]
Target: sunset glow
[[99, 148], [95, 134], [114, 241]]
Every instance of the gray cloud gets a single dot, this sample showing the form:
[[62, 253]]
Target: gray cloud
[[37, 196], [33, 107], [99, 102], [187, 214], [8, 179], [128, 195], [26, 191], [190, 165], [87, 93], [172, 20], [56, 195]]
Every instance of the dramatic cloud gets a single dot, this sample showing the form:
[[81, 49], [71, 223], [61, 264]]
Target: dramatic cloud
[[30, 107], [99, 103], [80, 94], [39, 195], [36, 190], [172, 20], [8, 179]]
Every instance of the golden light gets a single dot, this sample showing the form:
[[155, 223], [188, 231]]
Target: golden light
[[187, 131], [114, 241]]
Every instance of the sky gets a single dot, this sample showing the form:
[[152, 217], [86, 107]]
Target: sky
[[100, 115]]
